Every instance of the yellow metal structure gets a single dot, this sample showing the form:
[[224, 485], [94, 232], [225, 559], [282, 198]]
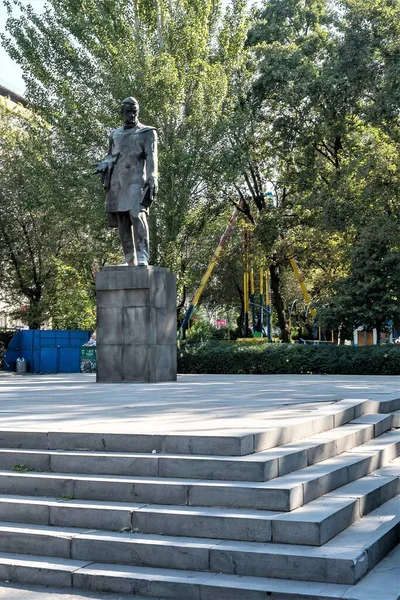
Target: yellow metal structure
[[267, 293], [210, 269], [246, 292], [206, 275], [299, 278]]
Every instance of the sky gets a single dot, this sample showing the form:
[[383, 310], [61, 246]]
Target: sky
[[10, 72]]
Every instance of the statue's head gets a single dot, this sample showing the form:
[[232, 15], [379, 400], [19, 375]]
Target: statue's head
[[130, 111]]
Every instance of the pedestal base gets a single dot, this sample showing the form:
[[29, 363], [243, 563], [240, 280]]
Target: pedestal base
[[136, 325]]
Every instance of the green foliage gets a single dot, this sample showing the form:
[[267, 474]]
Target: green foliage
[[33, 215], [22, 468], [6, 335], [370, 294], [327, 89], [201, 331], [308, 110], [81, 58], [263, 359], [5, 338], [180, 59], [73, 301], [47, 231]]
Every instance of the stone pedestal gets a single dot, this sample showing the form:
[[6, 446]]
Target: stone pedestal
[[136, 325]]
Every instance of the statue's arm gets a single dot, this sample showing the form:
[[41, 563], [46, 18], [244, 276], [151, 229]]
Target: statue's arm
[[151, 152], [110, 143], [106, 163], [104, 166]]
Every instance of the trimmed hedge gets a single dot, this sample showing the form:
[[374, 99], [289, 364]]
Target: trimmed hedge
[[231, 358]]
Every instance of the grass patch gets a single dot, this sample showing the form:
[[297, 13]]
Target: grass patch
[[21, 468]]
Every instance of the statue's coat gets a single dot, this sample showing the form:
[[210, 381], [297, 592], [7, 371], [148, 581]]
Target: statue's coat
[[132, 159]]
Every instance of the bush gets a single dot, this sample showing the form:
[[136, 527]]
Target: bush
[[202, 331], [220, 357], [6, 335]]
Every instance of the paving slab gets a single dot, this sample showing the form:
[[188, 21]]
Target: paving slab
[[204, 404]]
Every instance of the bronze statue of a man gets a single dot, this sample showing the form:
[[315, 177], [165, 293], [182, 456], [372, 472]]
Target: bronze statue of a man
[[129, 174]]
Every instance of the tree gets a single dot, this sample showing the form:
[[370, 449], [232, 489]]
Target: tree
[[43, 217], [325, 71], [32, 211], [370, 294], [81, 58], [71, 300], [307, 111]]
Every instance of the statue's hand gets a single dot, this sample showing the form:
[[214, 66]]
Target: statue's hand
[[100, 167], [152, 183]]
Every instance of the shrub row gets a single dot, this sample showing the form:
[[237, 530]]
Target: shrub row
[[234, 358]]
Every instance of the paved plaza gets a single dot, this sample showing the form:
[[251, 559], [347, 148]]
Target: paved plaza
[[202, 404]]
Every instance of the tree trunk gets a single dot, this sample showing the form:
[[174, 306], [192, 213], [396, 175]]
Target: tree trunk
[[240, 320], [34, 316], [278, 302]]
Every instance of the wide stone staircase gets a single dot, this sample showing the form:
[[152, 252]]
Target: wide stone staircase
[[302, 510]]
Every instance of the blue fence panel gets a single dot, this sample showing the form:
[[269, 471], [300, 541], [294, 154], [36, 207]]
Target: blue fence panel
[[69, 360], [47, 351], [48, 360]]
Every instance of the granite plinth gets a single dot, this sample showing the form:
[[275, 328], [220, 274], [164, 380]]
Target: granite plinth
[[136, 325]]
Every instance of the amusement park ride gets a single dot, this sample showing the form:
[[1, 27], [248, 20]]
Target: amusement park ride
[[264, 305]]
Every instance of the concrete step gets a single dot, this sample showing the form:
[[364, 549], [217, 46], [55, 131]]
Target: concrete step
[[99, 546], [46, 570], [95, 581], [282, 494], [346, 558], [231, 445], [383, 406], [336, 562], [224, 523], [381, 422], [382, 583], [217, 444], [16, 591], [260, 466], [163, 583], [322, 519], [396, 418], [187, 546], [312, 524], [37, 510]]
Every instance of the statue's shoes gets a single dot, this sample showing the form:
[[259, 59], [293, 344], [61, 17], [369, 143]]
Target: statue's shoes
[[143, 259], [130, 263]]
